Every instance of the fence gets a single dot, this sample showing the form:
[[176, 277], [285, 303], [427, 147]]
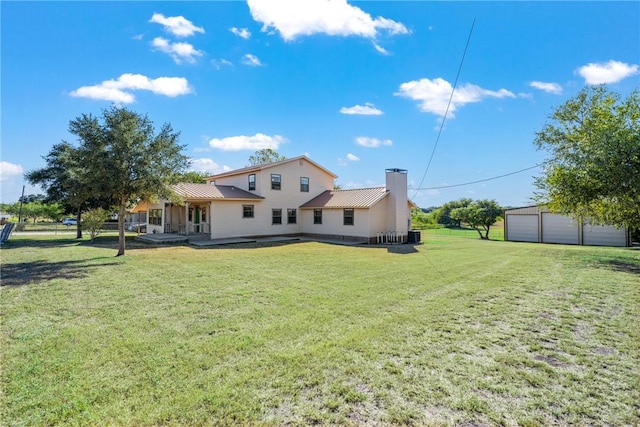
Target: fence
[[494, 233], [56, 227]]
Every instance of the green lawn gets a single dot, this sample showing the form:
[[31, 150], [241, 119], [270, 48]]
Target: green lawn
[[454, 331]]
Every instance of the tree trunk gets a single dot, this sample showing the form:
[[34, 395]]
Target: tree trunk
[[121, 218], [79, 224], [486, 234]]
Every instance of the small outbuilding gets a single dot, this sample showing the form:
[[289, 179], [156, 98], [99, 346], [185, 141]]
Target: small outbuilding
[[537, 224]]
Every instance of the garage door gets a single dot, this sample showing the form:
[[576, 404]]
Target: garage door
[[522, 228], [603, 235], [559, 229]]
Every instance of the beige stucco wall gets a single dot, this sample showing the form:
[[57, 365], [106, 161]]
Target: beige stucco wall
[[290, 174], [366, 222], [226, 218], [227, 221]]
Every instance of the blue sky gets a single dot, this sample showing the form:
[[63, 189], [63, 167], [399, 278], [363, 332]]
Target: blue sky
[[358, 87]]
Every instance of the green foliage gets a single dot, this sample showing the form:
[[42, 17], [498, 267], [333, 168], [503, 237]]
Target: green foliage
[[33, 210], [94, 220], [264, 156], [594, 167], [67, 180], [53, 211], [444, 212], [32, 198], [481, 215], [421, 220], [129, 161], [193, 177]]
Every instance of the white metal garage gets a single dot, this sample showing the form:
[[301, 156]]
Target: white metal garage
[[537, 224], [559, 229], [523, 228], [604, 235]]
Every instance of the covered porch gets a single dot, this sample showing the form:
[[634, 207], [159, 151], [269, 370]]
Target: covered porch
[[192, 218]]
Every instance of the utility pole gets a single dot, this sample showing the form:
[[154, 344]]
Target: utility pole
[[20, 211]]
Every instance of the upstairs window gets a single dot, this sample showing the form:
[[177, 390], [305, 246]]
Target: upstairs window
[[304, 184], [276, 216], [291, 216], [275, 181], [317, 216], [348, 217], [252, 182]]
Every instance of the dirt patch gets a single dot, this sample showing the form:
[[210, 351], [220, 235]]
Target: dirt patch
[[582, 331], [604, 351], [553, 361], [474, 423]]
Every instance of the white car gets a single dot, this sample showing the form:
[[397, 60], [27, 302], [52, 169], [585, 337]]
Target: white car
[[69, 221], [135, 226]]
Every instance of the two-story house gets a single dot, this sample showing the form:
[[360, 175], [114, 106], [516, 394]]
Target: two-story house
[[293, 197]]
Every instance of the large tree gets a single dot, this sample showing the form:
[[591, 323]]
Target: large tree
[[444, 212], [481, 215], [264, 156], [129, 161], [65, 180], [593, 171]]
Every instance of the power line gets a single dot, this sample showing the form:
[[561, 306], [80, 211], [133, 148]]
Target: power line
[[444, 118], [476, 182]]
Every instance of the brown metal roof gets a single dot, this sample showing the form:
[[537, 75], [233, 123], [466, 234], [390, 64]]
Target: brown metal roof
[[210, 192], [267, 166], [357, 198]]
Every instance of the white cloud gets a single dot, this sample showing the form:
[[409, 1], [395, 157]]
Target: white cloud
[[547, 87], [178, 51], [243, 142], [179, 26], [433, 95], [348, 158], [606, 72], [207, 165], [365, 141], [8, 171], [294, 18], [380, 49], [118, 91], [241, 32], [219, 63], [367, 109], [251, 60]]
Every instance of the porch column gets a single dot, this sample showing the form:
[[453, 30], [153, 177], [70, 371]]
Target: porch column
[[186, 218], [211, 220]]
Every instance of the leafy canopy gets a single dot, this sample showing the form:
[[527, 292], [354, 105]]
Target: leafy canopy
[[94, 220], [65, 180], [264, 156], [129, 161], [119, 160], [443, 216], [481, 215], [593, 169]]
